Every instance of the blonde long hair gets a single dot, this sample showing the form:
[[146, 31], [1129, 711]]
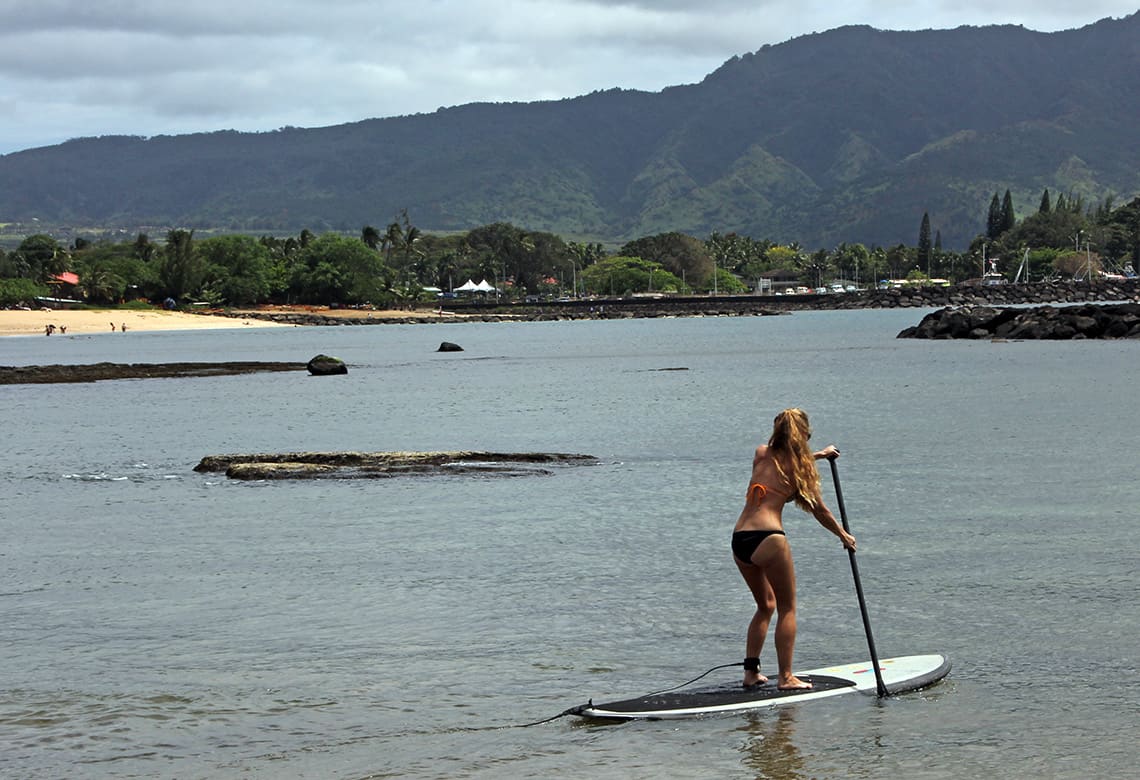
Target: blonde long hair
[[789, 444]]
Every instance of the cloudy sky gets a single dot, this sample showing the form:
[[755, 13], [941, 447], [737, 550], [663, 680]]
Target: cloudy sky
[[71, 68]]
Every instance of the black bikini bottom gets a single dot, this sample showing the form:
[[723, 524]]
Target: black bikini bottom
[[744, 543]]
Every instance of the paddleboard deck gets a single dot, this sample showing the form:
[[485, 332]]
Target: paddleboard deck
[[905, 673]]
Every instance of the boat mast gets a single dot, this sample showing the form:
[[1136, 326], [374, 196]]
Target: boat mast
[[1024, 267]]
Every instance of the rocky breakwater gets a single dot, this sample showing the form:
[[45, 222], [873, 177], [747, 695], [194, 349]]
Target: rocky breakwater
[[356, 317], [978, 295], [1088, 321], [910, 296], [654, 308], [611, 309], [363, 465]]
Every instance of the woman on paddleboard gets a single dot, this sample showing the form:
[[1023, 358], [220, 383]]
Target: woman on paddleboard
[[783, 470]]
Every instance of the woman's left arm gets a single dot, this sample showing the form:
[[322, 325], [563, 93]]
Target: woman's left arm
[[830, 451]]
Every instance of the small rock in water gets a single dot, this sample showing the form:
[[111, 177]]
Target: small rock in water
[[323, 365], [447, 346]]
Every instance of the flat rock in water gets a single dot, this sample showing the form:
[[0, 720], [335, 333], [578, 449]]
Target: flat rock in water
[[279, 471], [96, 372], [357, 465]]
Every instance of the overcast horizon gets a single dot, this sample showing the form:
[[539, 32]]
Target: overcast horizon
[[72, 68]]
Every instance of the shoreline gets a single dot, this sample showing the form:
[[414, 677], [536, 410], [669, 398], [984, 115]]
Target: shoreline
[[86, 322], [1038, 293], [25, 322]]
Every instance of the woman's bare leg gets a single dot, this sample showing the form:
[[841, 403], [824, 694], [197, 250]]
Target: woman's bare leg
[[758, 626], [774, 560]]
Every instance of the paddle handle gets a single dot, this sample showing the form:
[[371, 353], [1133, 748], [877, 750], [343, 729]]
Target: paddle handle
[[880, 686]]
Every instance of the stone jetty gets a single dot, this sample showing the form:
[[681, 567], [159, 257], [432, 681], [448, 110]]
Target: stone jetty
[[914, 296], [910, 296], [1088, 321]]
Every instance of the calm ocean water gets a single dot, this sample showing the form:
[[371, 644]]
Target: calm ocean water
[[163, 623]]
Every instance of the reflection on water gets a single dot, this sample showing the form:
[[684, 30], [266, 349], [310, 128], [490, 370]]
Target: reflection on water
[[770, 750]]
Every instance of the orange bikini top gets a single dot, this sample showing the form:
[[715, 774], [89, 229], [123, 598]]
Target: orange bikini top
[[760, 489]]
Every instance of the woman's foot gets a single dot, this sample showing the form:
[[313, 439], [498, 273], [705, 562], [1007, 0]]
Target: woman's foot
[[793, 683], [752, 679]]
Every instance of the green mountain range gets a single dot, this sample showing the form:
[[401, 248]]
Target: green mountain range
[[848, 135]]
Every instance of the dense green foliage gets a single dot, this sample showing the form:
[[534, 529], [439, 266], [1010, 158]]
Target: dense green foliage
[[818, 140], [681, 255], [39, 257], [404, 265], [110, 272], [17, 291], [620, 275], [237, 269]]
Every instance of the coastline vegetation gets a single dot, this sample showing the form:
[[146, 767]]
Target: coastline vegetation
[[401, 265]]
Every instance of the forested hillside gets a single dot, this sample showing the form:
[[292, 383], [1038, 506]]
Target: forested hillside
[[845, 136]]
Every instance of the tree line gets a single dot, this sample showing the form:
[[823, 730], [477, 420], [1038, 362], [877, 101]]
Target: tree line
[[400, 265], [1065, 237]]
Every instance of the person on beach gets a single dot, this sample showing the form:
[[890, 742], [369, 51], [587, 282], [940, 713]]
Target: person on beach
[[783, 470]]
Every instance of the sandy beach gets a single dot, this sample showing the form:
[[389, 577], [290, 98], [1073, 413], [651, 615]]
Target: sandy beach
[[24, 322], [19, 322]]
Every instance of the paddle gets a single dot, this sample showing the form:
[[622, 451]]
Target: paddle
[[879, 684]]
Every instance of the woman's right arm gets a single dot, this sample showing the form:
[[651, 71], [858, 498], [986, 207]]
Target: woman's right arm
[[828, 521]]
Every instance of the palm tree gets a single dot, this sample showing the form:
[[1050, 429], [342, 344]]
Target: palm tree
[[100, 284], [42, 257], [144, 248], [371, 237], [181, 268], [408, 245], [393, 237]]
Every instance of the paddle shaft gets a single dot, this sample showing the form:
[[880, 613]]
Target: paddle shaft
[[879, 684]]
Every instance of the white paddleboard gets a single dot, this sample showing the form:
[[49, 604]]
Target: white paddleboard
[[906, 673]]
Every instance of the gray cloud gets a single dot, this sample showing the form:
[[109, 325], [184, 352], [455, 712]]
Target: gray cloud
[[72, 68]]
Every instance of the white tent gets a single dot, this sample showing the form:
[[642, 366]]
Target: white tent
[[484, 287], [469, 286]]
